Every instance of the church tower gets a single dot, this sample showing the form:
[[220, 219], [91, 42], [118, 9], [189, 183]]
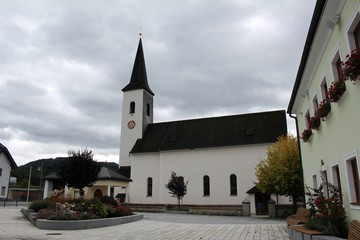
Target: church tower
[[137, 110]]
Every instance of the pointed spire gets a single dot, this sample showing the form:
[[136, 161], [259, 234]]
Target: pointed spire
[[138, 78]]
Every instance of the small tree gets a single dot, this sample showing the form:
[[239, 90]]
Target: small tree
[[79, 170], [281, 172], [177, 187]]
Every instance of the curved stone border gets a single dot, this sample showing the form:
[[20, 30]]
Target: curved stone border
[[78, 224]]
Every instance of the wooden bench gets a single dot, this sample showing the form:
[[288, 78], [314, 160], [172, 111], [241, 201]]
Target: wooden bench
[[354, 230], [301, 232], [301, 217]]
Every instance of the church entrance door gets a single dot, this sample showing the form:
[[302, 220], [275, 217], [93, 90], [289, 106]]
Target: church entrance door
[[261, 201]]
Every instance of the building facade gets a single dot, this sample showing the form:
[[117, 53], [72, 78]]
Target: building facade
[[6, 164], [326, 107], [217, 156]]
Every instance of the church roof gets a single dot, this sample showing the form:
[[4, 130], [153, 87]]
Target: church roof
[[7, 153], [138, 78], [235, 130]]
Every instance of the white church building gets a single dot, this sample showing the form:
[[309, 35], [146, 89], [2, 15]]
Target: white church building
[[217, 155]]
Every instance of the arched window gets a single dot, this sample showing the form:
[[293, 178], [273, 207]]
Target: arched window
[[206, 181], [149, 186], [148, 109], [233, 185], [132, 107]]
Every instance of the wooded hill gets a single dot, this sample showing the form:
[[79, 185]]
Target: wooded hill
[[41, 168]]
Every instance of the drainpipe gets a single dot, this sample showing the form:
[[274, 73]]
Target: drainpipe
[[299, 149]]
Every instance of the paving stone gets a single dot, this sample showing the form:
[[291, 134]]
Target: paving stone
[[154, 227]]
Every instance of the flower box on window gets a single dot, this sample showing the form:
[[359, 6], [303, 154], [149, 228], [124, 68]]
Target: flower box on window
[[306, 134], [324, 109], [314, 122], [336, 90], [351, 67]]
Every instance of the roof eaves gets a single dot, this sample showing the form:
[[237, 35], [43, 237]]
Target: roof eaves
[[319, 7], [6, 151]]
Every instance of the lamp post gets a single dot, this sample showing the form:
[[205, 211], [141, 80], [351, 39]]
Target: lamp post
[[40, 169], [28, 190]]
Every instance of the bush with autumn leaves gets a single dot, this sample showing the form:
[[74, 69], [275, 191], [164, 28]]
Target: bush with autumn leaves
[[327, 213]]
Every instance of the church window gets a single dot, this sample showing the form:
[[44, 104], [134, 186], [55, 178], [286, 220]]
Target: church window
[[206, 181], [132, 107], [233, 185], [148, 109], [149, 187]]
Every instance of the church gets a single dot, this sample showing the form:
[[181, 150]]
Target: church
[[216, 155]]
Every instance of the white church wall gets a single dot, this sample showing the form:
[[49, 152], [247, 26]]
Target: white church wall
[[218, 164], [144, 166]]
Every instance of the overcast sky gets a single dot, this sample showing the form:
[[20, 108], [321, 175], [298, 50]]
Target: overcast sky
[[63, 65]]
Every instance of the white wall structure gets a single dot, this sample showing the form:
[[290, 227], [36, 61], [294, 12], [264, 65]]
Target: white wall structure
[[6, 164], [193, 165], [331, 154], [224, 150]]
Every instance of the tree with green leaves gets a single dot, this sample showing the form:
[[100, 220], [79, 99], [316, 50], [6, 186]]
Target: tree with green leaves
[[281, 172], [80, 170], [177, 187]]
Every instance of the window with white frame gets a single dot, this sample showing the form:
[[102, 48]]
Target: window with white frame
[[353, 179], [354, 32], [3, 189], [336, 178], [314, 181], [324, 181], [315, 104], [336, 66], [324, 89]]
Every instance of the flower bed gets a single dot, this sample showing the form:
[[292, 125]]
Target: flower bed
[[78, 224], [63, 212]]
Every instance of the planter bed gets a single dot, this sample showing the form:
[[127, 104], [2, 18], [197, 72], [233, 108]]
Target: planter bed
[[78, 224]]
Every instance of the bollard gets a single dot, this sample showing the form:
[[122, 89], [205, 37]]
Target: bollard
[[5, 202], [246, 207], [272, 208]]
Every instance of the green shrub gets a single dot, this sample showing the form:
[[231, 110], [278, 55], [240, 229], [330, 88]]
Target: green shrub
[[95, 206], [37, 205]]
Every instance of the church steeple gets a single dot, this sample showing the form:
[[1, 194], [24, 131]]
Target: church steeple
[[137, 109], [138, 78]]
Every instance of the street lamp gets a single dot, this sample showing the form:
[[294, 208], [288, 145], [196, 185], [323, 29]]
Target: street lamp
[[28, 190], [40, 169]]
